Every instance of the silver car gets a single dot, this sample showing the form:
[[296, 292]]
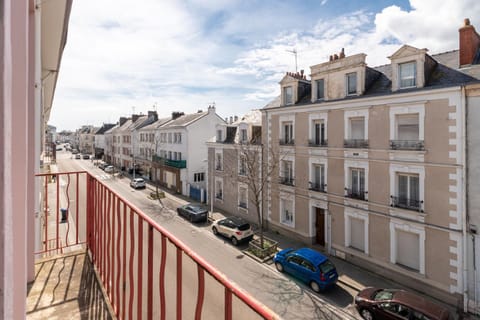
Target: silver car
[[137, 183]]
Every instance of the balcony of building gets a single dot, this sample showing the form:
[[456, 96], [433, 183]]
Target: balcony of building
[[416, 145], [356, 194], [286, 142], [318, 187], [100, 257], [318, 143], [355, 143], [406, 203], [179, 164], [287, 181]]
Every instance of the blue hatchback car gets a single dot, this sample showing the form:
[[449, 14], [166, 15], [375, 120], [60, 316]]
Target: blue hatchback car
[[308, 265]]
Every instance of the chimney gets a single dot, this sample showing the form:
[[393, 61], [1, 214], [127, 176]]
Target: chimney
[[342, 53], [231, 119], [122, 120], [177, 114], [235, 118], [153, 114], [469, 43], [135, 117]]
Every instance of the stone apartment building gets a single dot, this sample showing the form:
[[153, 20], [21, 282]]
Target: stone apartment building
[[232, 153], [373, 164]]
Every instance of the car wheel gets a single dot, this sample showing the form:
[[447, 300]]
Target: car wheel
[[215, 231], [315, 287], [234, 241], [279, 266], [366, 314]]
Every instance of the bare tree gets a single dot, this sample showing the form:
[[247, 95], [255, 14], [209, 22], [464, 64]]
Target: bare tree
[[155, 144], [255, 172]]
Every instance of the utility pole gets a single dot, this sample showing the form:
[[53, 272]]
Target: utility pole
[[294, 51]]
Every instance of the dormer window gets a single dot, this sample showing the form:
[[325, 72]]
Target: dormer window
[[351, 84], [243, 135], [320, 89], [219, 136], [288, 95], [407, 74]]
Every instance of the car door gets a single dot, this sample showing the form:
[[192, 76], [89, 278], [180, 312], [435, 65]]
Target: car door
[[222, 228], [292, 264], [392, 311], [187, 212]]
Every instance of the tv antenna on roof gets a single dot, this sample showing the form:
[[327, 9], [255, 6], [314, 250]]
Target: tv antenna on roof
[[294, 51]]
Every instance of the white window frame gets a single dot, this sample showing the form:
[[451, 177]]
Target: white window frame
[[286, 102], [347, 82], [403, 110], [316, 161], [242, 160], [316, 89], [312, 119], [282, 218], [219, 136], [357, 214], [244, 187], [400, 65], [355, 114], [243, 135], [348, 165], [219, 153], [219, 180], [286, 124], [396, 169], [404, 226]]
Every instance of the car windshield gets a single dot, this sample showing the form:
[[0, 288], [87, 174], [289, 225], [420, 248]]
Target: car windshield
[[196, 209], [326, 267], [382, 295]]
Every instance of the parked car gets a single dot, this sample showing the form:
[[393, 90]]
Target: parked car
[[308, 265], [193, 212], [85, 156], [109, 169], [137, 183], [77, 156], [377, 303], [75, 151], [102, 165], [234, 228]]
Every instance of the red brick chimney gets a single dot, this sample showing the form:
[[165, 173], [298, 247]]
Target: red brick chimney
[[469, 43]]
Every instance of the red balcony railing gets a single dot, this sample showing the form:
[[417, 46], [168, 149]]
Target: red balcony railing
[[146, 271]]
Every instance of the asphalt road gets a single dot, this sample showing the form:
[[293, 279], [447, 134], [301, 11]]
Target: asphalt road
[[289, 298]]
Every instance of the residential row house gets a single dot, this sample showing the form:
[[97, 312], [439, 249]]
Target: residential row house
[[168, 151], [100, 141], [377, 166], [234, 165], [86, 139]]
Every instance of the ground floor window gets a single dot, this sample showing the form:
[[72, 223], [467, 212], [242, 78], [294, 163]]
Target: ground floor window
[[287, 215]]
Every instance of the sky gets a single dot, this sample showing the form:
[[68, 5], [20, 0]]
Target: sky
[[125, 57]]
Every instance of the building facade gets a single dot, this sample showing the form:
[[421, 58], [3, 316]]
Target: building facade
[[372, 165], [235, 167]]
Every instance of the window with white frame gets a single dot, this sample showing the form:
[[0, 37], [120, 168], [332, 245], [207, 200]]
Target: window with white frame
[[407, 74], [408, 191], [351, 79], [179, 155], [408, 249], [219, 189], [320, 89], [288, 95], [179, 138], [318, 177], [174, 155], [218, 161], [287, 215], [319, 133], [199, 177], [356, 188], [169, 155], [219, 136], [243, 197], [243, 135], [242, 165], [287, 132], [356, 230], [286, 172], [407, 127], [357, 128]]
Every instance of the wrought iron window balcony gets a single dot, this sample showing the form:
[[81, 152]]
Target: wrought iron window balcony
[[356, 194], [288, 181], [355, 143], [219, 196], [288, 142], [314, 186], [242, 205], [317, 143], [406, 203], [407, 145]]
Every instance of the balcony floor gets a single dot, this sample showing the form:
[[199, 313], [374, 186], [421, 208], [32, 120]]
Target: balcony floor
[[66, 287]]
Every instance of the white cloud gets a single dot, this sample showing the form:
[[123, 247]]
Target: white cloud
[[185, 55]]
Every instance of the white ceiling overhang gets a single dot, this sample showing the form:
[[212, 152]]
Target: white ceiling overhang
[[55, 15]]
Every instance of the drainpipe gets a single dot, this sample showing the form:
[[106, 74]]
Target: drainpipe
[[38, 121], [464, 200]]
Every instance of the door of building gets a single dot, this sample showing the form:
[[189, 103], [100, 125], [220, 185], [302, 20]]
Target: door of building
[[320, 226]]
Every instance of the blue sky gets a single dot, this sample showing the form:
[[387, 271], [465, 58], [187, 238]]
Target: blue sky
[[177, 55]]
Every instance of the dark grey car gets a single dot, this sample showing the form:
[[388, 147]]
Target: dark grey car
[[193, 213]]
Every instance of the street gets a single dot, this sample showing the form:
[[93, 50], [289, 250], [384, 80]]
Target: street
[[288, 297]]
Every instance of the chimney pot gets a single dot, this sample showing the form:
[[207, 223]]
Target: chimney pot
[[469, 42], [466, 22], [335, 56], [342, 53], [331, 58]]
